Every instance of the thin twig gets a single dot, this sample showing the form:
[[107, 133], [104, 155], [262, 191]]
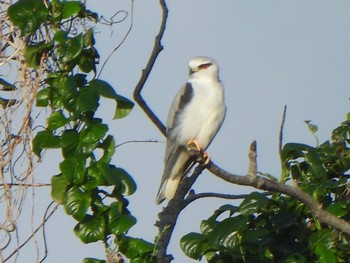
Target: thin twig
[[137, 141], [24, 185], [122, 41], [280, 138], [31, 236]]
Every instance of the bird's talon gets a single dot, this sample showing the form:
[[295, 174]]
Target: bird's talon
[[194, 144], [205, 158]]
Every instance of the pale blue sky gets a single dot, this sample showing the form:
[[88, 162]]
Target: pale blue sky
[[270, 53]]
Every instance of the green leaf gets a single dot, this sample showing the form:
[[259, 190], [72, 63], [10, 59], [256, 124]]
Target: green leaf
[[135, 247], [45, 140], [109, 174], [225, 208], [93, 178], [294, 151], [93, 260], [27, 15], [208, 225], [60, 36], [59, 185], [91, 229], [43, 97], [34, 53], [77, 202], [93, 133], [194, 245], [103, 88], [71, 48], [73, 170], [119, 223], [69, 142], [338, 209], [226, 232], [128, 185], [124, 107], [68, 92], [88, 60], [108, 146], [322, 244], [57, 120], [253, 203], [87, 101], [70, 8]]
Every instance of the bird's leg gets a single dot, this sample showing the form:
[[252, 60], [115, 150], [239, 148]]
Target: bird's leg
[[196, 150], [191, 144]]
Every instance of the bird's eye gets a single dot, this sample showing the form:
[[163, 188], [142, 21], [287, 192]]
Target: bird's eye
[[204, 66]]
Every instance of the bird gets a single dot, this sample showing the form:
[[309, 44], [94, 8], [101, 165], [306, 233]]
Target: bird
[[195, 116]]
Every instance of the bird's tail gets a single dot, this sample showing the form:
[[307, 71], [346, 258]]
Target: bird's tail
[[175, 168], [168, 189]]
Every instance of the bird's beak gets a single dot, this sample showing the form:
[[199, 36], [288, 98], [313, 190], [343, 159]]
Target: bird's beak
[[192, 70]]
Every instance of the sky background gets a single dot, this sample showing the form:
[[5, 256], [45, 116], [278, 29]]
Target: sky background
[[270, 53]]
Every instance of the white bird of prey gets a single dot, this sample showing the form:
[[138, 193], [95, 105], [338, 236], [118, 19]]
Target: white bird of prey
[[195, 116]]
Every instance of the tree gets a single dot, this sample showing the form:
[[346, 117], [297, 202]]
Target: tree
[[302, 217]]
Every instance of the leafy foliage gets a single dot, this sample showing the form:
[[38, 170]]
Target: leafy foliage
[[89, 187], [280, 228]]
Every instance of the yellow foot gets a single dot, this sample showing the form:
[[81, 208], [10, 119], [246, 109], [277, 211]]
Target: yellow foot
[[195, 150], [206, 158], [194, 143]]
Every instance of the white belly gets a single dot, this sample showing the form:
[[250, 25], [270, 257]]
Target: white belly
[[203, 117]]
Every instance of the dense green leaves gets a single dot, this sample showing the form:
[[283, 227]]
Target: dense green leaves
[[279, 228], [89, 187]]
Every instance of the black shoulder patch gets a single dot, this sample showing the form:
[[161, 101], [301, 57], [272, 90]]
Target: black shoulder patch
[[186, 96]]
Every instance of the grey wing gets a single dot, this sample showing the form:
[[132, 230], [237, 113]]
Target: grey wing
[[181, 100], [176, 159]]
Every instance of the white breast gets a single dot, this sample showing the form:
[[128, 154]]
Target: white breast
[[203, 117]]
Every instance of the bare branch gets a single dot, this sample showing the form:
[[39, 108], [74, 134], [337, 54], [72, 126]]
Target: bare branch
[[252, 171], [265, 184], [280, 138], [145, 73], [192, 197], [170, 213]]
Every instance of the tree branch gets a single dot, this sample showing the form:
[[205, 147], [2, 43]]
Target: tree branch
[[280, 138], [170, 213], [192, 197], [157, 48], [265, 184]]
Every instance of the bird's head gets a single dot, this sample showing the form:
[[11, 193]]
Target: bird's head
[[203, 67]]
